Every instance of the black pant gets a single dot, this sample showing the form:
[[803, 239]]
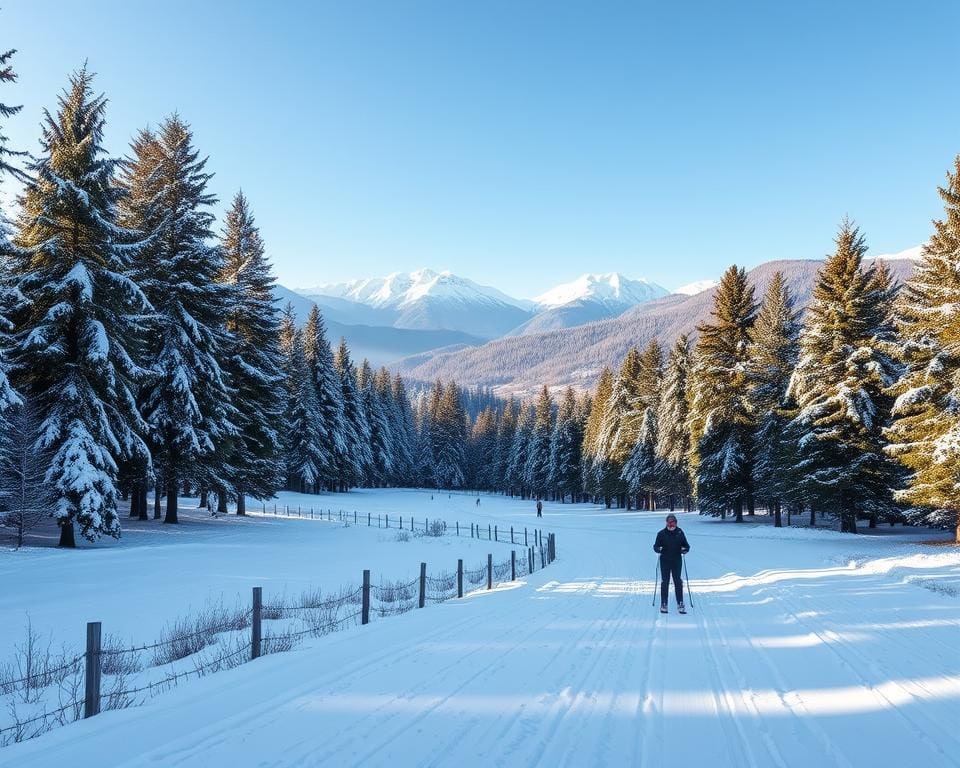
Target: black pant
[[668, 567]]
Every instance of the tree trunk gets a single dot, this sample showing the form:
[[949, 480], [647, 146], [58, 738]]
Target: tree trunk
[[241, 502], [813, 517], [172, 491], [873, 520], [156, 500], [135, 502], [204, 499], [751, 505], [222, 502], [142, 493], [67, 538], [739, 510]]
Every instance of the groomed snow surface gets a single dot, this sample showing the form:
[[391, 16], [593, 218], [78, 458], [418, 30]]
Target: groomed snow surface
[[801, 648]]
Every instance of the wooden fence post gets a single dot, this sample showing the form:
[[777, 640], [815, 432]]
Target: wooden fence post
[[496, 535], [511, 534], [458, 527], [354, 517], [530, 558], [489, 532], [401, 522], [91, 699], [388, 521], [513, 565], [460, 578], [368, 519], [365, 618], [423, 584], [489, 571], [255, 625], [525, 542], [543, 558]]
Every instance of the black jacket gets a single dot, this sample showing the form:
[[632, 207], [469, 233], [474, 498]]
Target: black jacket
[[671, 544]]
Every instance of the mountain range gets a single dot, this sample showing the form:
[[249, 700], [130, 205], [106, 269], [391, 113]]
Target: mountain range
[[430, 324]]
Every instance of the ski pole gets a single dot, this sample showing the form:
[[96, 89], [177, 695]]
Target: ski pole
[[653, 602], [686, 578]]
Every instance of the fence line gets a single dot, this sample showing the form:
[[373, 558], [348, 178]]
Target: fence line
[[388, 600]]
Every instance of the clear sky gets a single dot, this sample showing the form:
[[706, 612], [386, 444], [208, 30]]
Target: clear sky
[[523, 143]]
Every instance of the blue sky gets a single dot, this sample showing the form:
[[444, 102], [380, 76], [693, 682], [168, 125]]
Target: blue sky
[[521, 143]]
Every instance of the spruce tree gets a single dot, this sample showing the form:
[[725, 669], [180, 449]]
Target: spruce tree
[[772, 357], [448, 431], [74, 349], [840, 383], [482, 447], [594, 467], [537, 469], [303, 444], [620, 428], [641, 472], [506, 429], [358, 458], [519, 450], [329, 395], [673, 428], [565, 446], [187, 405], [723, 432], [925, 435], [404, 432], [376, 416], [253, 360]]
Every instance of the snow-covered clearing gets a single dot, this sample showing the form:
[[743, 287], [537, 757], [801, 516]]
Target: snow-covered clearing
[[802, 648]]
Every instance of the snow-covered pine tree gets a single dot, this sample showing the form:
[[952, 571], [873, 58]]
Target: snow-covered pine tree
[[537, 468], [357, 429], [641, 472], [925, 435], [187, 405], [381, 439], [772, 357], [404, 433], [72, 355], [840, 384], [620, 428], [253, 360], [383, 393], [25, 497], [593, 467], [519, 450], [506, 429], [449, 430], [723, 431], [329, 395], [303, 436], [673, 429], [10, 296], [423, 461], [565, 445], [482, 447]]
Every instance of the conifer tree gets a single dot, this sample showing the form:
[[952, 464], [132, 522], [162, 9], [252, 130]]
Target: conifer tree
[[74, 353], [483, 445], [506, 430], [772, 357], [641, 472], [253, 360], [7, 163], [404, 432], [329, 394], [303, 437], [383, 393], [673, 429], [423, 445], [565, 446], [188, 404], [358, 458], [723, 432], [25, 497], [449, 439], [594, 467], [840, 383], [519, 450], [537, 469], [925, 436], [380, 466]]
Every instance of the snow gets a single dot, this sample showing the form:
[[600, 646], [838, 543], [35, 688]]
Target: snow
[[803, 647], [913, 254], [400, 290], [692, 289], [612, 289]]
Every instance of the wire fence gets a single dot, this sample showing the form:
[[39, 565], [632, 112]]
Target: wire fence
[[109, 675]]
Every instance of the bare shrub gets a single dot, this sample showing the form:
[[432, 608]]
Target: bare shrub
[[190, 635]]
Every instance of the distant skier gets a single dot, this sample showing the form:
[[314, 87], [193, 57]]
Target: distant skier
[[478, 501], [671, 545], [539, 508]]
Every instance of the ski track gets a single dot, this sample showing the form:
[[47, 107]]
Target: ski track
[[573, 667]]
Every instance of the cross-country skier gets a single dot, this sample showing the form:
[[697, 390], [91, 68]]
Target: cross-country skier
[[539, 508], [671, 545]]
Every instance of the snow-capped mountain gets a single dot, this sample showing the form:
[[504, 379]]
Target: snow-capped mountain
[[612, 290], [428, 300], [692, 289], [402, 289], [589, 298], [913, 254]]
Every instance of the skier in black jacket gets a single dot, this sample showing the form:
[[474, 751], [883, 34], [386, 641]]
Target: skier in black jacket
[[671, 545]]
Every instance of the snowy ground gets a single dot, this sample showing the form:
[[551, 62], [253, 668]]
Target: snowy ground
[[802, 648]]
